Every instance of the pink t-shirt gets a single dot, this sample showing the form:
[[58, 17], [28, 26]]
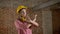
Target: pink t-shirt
[[22, 27]]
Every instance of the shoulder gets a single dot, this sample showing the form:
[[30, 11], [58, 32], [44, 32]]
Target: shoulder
[[18, 21]]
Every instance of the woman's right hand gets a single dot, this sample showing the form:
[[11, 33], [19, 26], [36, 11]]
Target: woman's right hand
[[32, 21]]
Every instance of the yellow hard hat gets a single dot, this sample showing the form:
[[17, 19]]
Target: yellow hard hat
[[20, 7]]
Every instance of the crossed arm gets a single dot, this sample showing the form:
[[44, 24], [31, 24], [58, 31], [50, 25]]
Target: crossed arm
[[33, 21]]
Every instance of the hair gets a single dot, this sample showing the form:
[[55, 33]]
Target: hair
[[28, 12], [20, 17], [20, 10]]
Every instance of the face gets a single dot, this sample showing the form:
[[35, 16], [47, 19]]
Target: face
[[23, 12]]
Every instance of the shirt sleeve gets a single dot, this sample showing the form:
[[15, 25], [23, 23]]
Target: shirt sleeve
[[19, 25]]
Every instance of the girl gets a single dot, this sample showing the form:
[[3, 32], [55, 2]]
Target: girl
[[23, 22]]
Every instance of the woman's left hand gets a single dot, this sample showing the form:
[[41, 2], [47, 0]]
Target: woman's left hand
[[34, 21]]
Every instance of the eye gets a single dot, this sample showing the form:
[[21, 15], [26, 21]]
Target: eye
[[22, 12]]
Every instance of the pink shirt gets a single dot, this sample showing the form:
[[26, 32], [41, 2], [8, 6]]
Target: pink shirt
[[22, 27]]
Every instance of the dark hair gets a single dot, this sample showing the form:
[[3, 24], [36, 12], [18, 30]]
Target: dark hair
[[21, 10]]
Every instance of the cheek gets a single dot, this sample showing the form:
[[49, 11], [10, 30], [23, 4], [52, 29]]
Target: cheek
[[25, 13]]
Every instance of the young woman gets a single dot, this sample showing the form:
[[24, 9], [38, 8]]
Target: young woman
[[23, 22]]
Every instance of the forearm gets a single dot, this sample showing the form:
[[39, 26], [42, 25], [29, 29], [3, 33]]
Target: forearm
[[35, 23], [29, 25], [32, 21]]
